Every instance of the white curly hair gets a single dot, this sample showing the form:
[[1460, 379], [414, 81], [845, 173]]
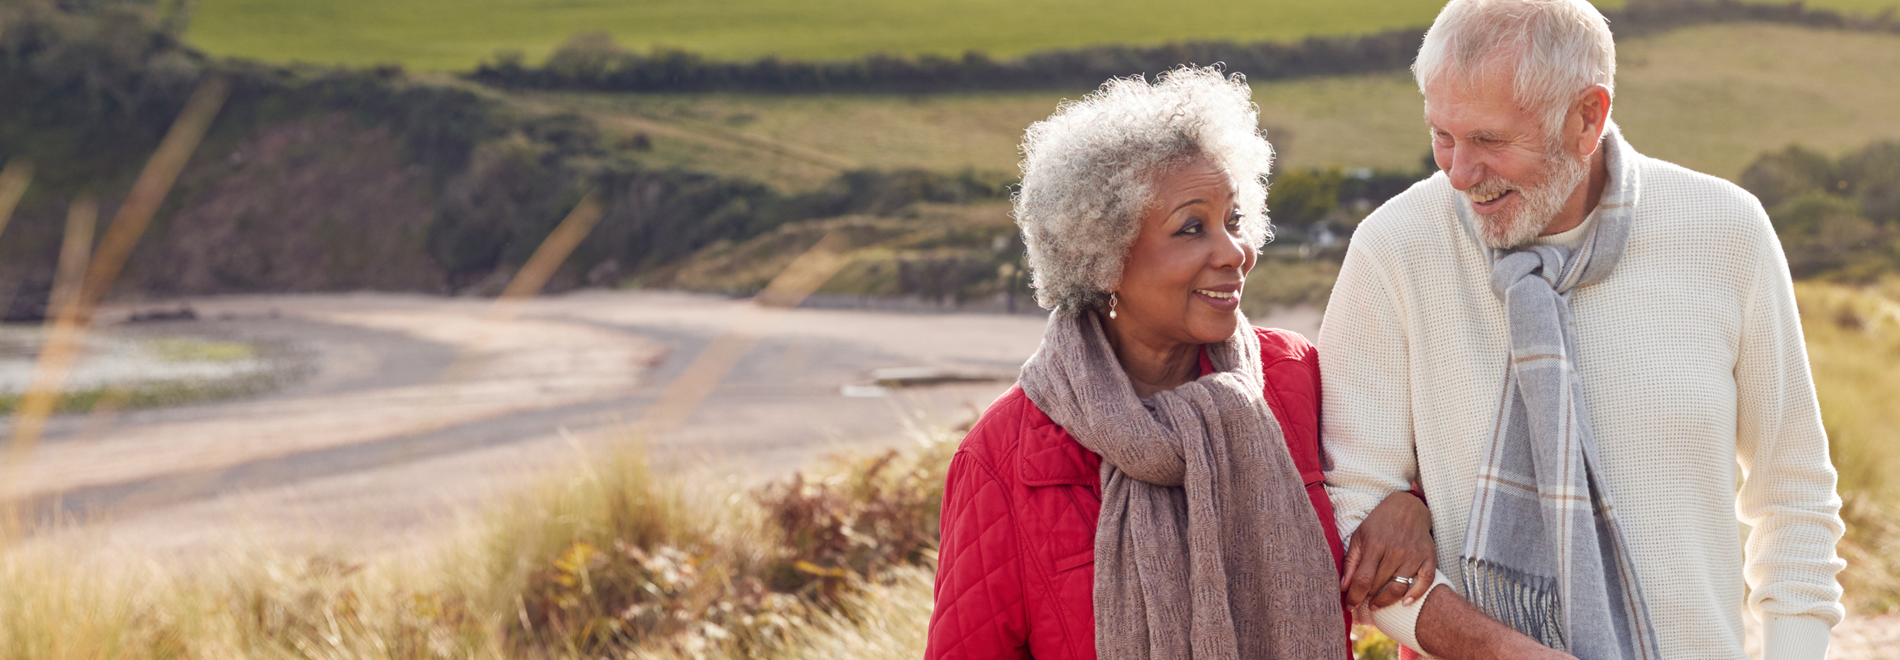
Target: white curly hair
[[1089, 172]]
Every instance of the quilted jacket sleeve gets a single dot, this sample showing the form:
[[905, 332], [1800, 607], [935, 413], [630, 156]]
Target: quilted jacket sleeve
[[979, 611]]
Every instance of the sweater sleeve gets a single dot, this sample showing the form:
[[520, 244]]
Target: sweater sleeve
[[1366, 402], [1788, 490], [1366, 408], [978, 611]]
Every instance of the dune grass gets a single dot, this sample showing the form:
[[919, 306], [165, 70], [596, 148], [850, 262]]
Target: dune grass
[[621, 559], [1710, 98], [1854, 350]]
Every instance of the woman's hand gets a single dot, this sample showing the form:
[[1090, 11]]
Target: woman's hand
[[1394, 541]]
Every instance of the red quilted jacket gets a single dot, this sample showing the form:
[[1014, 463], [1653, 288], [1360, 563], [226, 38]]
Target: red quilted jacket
[[1016, 569]]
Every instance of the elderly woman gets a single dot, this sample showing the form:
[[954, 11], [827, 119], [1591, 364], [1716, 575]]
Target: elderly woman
[[1152, 487]]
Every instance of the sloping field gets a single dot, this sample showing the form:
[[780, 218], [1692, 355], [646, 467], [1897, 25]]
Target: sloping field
[[455, 34], [1711, 98]]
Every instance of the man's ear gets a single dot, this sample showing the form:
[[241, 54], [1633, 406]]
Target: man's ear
[[1592, 113]]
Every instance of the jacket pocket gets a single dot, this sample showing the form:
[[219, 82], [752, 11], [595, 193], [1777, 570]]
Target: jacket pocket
[[1063, 524], [1074, 561]]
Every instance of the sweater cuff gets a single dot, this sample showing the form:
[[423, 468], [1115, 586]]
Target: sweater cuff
[[1785, 637], [1400, 622]]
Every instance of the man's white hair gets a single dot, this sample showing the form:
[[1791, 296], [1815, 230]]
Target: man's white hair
[[1554, 48], [1090, 169]]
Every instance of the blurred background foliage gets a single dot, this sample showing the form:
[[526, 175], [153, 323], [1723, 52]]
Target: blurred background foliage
[[1838, 218]]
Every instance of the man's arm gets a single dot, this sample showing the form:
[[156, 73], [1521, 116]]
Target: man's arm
[[1439, 622], [1366, 426], [1787, 492], [1366, 398], [1366, 407], [1449, 627]]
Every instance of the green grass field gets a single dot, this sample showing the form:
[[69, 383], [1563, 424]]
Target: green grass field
[[1710, 98], [455, 34]]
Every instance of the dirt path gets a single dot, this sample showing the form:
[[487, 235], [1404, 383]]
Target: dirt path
[[1866, 638]]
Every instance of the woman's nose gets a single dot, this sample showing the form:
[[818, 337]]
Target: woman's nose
[[1232, 252]]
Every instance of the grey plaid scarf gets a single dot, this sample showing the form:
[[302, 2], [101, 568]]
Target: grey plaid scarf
[[1544, 553], [1207, 547]]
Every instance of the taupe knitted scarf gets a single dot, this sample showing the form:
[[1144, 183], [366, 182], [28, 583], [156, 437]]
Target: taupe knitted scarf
[[1207, 546]]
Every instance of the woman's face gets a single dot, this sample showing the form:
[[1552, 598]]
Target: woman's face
[[1182, 281]]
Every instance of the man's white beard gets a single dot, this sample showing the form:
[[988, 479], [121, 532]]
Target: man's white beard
[[1541, 202]]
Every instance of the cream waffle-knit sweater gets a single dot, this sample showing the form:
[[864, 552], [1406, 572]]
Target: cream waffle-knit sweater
[[1695, 377]]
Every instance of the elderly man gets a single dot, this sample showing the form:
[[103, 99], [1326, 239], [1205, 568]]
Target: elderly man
[[1573, 347]]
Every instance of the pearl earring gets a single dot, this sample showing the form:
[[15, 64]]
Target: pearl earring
[[1113, 300]]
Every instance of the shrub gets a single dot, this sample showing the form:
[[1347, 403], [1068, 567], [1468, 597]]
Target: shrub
[[1837, 219], [625, 559], [1820, 232], [1302, 197], [1779, 176], [1873, 177]]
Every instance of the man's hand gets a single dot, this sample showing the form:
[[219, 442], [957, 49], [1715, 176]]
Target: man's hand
[[1394, 541]]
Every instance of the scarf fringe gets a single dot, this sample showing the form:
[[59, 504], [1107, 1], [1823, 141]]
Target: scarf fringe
[[1525, 602]]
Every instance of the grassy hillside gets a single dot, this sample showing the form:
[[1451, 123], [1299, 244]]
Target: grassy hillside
[[455, 34], [1710, 98]]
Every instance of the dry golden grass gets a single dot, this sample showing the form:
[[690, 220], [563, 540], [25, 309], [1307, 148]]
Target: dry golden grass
[[620, 558], [1854, 350]]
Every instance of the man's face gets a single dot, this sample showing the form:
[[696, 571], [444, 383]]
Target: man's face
[[1514, 173]]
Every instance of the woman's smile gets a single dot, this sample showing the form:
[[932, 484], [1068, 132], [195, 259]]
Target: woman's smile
[[1225, 298]]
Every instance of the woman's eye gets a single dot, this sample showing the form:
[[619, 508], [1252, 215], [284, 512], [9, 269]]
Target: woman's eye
[[1192, 227], [1233, 221]]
